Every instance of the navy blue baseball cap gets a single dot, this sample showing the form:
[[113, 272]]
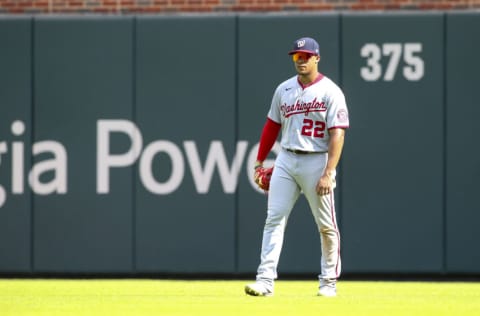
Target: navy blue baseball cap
[[305, 45]]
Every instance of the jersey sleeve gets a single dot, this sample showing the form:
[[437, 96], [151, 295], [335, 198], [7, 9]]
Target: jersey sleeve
[[337, 113]]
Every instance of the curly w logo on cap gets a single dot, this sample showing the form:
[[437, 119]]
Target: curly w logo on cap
[[305, 45]]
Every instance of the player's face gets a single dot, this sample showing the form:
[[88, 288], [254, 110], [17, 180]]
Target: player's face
[[304, 62]]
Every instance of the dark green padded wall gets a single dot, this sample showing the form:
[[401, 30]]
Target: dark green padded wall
[[185, 98], [83, 73], [15, 112], [463, 150], [393, 161]]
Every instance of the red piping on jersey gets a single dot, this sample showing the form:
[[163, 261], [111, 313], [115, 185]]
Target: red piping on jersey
[[267, 139], [304, 86], [343, 126]]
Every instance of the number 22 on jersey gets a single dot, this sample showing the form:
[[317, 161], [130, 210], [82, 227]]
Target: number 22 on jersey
[[313, 128]]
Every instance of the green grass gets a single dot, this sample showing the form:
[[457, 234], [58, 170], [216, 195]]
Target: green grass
[[180, 297]]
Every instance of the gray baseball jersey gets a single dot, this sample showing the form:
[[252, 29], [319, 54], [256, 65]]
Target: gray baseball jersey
[[307, 112]]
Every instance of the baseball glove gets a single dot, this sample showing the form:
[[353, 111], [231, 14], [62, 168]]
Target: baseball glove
[[262, 177]]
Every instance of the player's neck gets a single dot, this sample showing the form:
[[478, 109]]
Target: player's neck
[[306, 79]]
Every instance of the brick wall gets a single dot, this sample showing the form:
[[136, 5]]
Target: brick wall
[[166, 6]]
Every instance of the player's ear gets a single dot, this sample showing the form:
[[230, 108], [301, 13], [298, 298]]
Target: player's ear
[[318, 59]]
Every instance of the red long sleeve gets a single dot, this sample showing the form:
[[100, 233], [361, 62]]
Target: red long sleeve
[[268, 138]]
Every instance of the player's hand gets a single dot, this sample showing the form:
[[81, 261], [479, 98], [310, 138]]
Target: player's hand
[[262, 177], [258, 164], [325, 185]]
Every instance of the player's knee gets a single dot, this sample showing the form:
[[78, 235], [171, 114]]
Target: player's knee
[[328, 230], [274, 219]]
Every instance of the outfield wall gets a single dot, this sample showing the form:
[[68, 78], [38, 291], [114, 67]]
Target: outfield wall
[[127, 143]]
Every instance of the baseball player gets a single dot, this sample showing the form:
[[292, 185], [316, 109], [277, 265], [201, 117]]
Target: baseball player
[[311, 112]]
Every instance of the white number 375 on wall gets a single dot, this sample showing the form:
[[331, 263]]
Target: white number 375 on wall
[[413, 67]]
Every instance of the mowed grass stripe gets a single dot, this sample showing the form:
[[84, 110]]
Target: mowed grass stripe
[[183, 297]]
